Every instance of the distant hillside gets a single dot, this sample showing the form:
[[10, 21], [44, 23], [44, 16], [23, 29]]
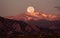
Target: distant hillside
[[10, 27], [36, 23]]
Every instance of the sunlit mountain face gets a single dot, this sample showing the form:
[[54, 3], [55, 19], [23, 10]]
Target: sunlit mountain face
[[34, 16]]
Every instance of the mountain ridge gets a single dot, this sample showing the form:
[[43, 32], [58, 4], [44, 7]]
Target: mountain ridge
[[35, 16]]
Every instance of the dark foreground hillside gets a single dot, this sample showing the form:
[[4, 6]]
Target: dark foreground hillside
[[10, 28]]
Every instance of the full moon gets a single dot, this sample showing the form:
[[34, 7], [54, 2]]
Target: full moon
[[30, 9]]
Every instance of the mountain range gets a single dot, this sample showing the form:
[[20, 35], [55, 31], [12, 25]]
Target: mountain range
[[30, 23], [39, 19], [34, 16]]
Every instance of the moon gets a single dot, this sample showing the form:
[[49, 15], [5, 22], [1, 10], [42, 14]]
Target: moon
[[30, 9]]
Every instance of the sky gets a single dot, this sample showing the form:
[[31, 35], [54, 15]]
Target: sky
[[14, 7]]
